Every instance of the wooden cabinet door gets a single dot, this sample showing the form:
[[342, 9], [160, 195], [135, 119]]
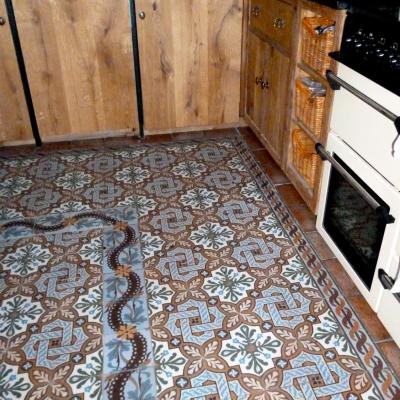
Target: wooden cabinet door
[[14, 117], [278, 68], [190, 53], [256, 96], [267, 92], [78, 56]]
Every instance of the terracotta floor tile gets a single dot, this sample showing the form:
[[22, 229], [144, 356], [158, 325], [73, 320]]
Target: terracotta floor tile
[[251, 139], [320, 246], [342, 278], [120, 141], [254, 143], [370, 320], [290, 195], [304, 217], [167, 137], [263, 157], [276, 175], [188, 135], [245, 130], [87, 144], [55, 146], [18, 150], [392, 354], [220, 133]]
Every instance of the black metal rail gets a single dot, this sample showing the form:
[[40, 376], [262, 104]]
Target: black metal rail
[[136, 63], [22, 71]]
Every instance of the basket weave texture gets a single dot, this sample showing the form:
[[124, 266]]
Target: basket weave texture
[[304, 157], [315, 47], [309, 108]]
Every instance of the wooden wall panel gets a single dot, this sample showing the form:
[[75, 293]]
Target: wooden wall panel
[[190, 54], [14, 117], [78, 56]]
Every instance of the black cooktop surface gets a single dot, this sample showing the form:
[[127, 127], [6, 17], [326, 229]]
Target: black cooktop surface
[[387, 8], [371, 47], [332, 3]]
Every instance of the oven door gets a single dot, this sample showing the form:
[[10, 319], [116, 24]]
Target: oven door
[[358, 217]]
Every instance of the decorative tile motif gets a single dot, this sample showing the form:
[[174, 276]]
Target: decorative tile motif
[[172, 220], [54, 319], [231, 302], [182, 264], [256, 252]]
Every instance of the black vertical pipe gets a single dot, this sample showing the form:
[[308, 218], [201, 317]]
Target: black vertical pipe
[[22, 71], [136, 62]]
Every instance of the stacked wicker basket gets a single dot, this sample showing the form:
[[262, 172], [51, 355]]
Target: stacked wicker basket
[[317, 43], [310, 105]]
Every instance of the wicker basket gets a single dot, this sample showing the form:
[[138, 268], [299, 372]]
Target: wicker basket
[[309, 108], [304, 157], [316, 47]]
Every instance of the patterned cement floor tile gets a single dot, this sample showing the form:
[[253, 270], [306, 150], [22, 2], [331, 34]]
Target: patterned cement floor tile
[[239, 306], [50, 315], [54, 318]]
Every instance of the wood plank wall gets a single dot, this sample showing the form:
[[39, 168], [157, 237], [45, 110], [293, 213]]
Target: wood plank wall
[[14, 117], [190, 54], [78, 55]]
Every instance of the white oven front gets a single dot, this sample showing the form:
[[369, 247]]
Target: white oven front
[[372, 134], [359, 218]]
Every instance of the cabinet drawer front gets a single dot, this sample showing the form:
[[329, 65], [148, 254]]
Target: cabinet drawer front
[[274, 18]]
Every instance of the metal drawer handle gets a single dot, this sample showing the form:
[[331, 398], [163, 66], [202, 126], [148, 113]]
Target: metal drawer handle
[[387, 282], [279, 23], [2, 21], [256, 11], [379, 209]]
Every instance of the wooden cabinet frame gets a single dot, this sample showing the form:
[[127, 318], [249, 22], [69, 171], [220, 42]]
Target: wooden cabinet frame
[[310, 9], [302, 8], [291, 54]]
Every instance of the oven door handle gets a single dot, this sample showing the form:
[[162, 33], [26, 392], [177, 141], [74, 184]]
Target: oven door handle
[[336, 83], [379, 209], [387, 282]]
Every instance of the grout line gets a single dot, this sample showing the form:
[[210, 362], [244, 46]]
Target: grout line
[[384, 341], [326, 259], [283, 184]]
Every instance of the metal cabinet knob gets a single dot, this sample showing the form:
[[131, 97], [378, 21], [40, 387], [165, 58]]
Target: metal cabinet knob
[[279, 23], [256, 11], [2, 21], [263, 84], [142, 15]]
